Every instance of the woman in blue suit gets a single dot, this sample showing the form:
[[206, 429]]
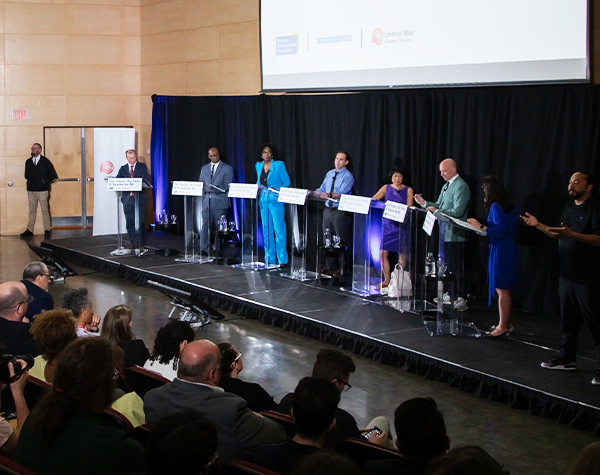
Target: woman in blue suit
[[272, 174]]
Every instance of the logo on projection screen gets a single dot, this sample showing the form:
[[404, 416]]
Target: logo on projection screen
[[377, 36], [107, 167]]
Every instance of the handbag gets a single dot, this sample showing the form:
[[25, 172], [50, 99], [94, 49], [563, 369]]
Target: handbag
[[400, 284]]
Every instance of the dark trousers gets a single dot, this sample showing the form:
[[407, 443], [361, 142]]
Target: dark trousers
[[134, 238], [336, 221], [577, 301], [454, 257], [210, 222]]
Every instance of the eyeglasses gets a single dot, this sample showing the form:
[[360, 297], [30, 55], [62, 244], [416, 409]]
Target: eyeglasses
[[236, 358], [28, 301], [347, 386], [44, 275]]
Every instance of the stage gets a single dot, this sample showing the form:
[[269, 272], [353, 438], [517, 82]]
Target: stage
[[504, 370]]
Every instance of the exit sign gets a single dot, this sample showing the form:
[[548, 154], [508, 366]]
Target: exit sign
[[20, 114]]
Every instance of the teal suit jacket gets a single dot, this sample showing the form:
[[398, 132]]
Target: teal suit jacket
[[454, 202]]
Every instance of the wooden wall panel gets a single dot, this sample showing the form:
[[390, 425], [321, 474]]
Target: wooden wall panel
[[147, 80], [239, 76], [202, 44], [93, 20], [131, 110], [202, 78], [131, 21], [43, 110], [200, 14], [169, 47], [132, 50], [169, 79], [94, 49], [2, 143], [15, 169], [19, 140], [95, 110], [34, 49], [21, 17], [168, 16], [92, 79], [239, 40], [131, 80], [35, 79], [235, 11]]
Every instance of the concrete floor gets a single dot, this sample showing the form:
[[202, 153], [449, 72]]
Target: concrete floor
[[278, 359]]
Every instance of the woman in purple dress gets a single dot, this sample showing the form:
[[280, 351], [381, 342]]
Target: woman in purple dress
[[503, 260], [393, 238]]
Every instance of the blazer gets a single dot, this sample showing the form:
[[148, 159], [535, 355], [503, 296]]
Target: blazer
[[42, 300], [278, 176], [41, 176], [222, 178], [140, 171], [240, 431], [454, 202]]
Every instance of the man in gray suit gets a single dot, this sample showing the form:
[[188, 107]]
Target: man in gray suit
[[453, 201], [217, 176], [241, 431]]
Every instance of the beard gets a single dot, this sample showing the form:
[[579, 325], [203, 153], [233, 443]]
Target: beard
[[576, 194]]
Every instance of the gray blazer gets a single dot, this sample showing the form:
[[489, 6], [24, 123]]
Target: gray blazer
[[222, 178], [240, 431], [454, 202]]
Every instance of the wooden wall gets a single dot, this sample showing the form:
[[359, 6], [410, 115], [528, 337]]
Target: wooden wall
[[97, 62]]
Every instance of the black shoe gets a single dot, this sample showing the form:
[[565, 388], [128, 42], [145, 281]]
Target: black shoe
[[26, 233], [560, 363], [596, 380], [47, 234], [284, 266]]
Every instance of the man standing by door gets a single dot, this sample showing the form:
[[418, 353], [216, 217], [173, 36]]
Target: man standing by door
[[39, 173]]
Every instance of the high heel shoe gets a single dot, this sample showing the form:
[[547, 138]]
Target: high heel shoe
[[502, 336], [510, 328]]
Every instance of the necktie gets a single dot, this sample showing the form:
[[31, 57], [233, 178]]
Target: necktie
[[212, 171], [446, 185], [131, 176], [333, 183]]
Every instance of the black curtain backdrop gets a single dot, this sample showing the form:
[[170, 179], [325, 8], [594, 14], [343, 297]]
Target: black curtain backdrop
[[532, 137]]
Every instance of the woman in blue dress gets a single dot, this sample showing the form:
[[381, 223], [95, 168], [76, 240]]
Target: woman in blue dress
[[272, 174], [503, 260], [393, 238]]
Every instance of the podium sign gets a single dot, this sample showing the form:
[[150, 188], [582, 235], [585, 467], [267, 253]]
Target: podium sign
[[429, 223], [124, 184], [188, 188], [243, 190], [355, 204], [294, 196], [395, 211]]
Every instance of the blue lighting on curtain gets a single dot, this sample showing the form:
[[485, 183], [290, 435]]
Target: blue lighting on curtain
[[159, 156]]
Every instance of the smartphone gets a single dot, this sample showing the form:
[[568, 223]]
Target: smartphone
[[375, 430]]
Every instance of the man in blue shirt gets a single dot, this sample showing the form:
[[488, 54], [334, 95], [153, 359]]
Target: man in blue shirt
[[338, 182]]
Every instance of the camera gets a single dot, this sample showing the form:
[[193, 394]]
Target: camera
[[18, 369]]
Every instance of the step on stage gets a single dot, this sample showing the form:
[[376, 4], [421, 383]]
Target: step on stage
[[503, 370]]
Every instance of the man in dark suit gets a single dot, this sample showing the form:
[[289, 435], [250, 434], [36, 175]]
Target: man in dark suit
[[36, 278], [134, 169], [39, 173], [14, 329], [215, 203], [241, 431]]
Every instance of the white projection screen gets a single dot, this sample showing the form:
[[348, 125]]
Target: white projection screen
[[375, 44]]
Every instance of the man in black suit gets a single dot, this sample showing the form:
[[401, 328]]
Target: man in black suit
[[36, 278], [14, 327], [215, 203], [39, 173], [134, 169]]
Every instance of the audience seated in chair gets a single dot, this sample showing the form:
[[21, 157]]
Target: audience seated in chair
[[64, 434], [421, 437], [53, 330], [326, 462], [232, 365], [36, 278], [313, 408], [14, 327], [79, 302], [467, 460], [9, 436], [241, 431], [116, 327], [184, 443], [170, 340], [588, 461]]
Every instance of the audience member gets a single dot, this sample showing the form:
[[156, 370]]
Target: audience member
[[78, 301], [588, 461], [326, 462], [64, 434], [170, 341], [9, 436], [36, 278], [53, 330], [117, 328], [14, 327], [241, 431], [467, 460], [231, 365], [184, 443], [313, 409], [421, 437]]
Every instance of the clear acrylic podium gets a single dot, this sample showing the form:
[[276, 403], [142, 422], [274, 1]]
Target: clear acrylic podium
[[192, 218], [127, 185]]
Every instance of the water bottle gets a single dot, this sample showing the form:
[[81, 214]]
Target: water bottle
[[223, 223], [327, 237], [441, 266], [164, 217], [430, 264]]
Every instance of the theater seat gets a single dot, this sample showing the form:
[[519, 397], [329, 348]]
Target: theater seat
[[10, 467], [285, 420], [141, 380], [116, 419], [140, 433], [361, 451], [242, 467]]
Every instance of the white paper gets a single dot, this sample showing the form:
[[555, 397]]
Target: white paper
[[124, 184], [243, 190], [355, 204], [295, 196], [188, 188], [429, 223], [395, 211]]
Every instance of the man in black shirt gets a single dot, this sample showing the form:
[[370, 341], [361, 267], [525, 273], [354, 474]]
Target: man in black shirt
[[14, 327], [579, 261], [39, 173]]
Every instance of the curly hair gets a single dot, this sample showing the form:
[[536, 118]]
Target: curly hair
[[117, 324], [228, 355], [77, 300], [168, 341], [83, 382], [54, 330]]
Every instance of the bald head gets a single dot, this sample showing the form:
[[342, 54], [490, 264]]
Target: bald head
[[200, 362], [448, 169], [13, 300]]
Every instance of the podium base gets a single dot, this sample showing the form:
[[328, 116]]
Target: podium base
[[301, 274], [121, 251], [255, 266], [452, 328], [195, 259]]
